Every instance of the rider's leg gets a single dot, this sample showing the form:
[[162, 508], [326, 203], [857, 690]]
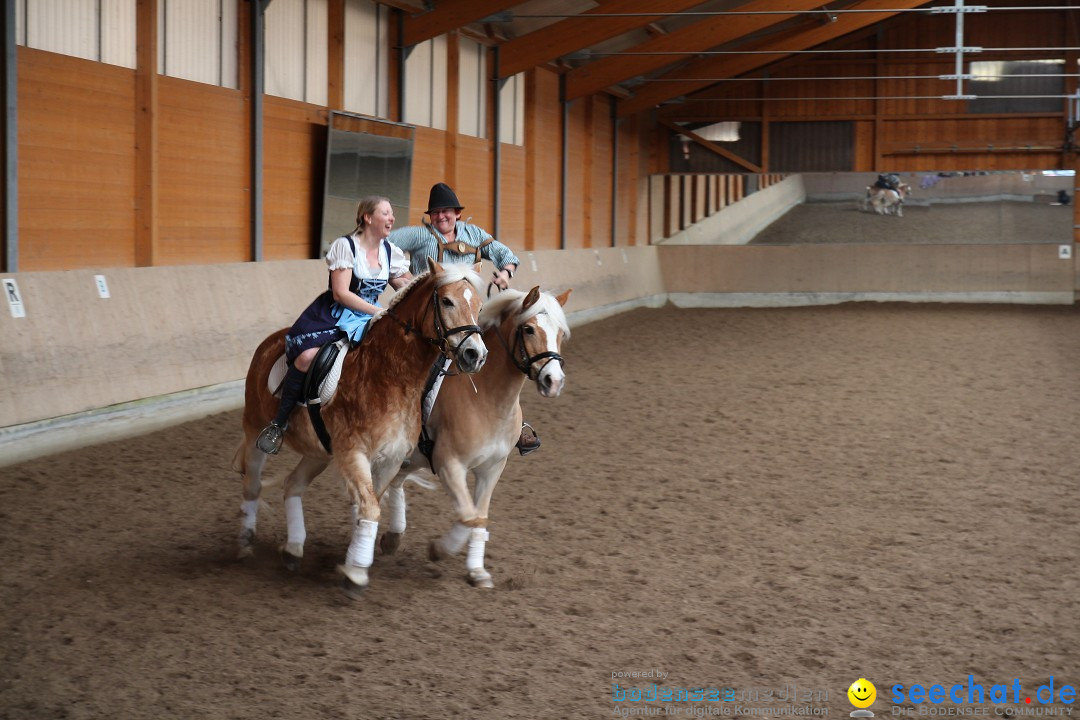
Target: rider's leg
[[292, 390]]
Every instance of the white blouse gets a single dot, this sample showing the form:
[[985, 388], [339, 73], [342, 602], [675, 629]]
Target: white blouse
[[340, 257]]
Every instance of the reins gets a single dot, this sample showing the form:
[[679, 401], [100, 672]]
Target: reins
[[442, 341]]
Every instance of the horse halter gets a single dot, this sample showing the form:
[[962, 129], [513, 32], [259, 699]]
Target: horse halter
[[442, 339], [520, 356]]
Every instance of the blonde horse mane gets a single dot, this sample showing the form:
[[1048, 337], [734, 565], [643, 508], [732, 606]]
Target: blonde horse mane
[[451, 273], [499, 307]]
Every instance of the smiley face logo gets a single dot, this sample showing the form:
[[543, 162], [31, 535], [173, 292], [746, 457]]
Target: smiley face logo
[[862, 693]]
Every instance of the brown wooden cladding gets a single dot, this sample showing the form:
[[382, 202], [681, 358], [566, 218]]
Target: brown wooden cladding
[[512, 197], [428, 168], [293, 165], [903, 122], [474, 191], [79, 181], [543, 133], [203, 192], [76, 163]]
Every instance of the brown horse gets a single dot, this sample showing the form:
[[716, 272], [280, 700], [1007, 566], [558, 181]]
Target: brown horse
[[373, 419], [476, 424]]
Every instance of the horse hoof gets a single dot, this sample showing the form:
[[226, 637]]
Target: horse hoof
[[389, 543], [351, 589], [354, 580], [291, 562], [436, 553], [245, 552], [481, 579]]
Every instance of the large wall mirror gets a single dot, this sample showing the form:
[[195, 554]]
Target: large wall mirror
[[942, 208], [364, 156]]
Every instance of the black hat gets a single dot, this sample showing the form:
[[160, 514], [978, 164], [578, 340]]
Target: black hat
[[442, 196]]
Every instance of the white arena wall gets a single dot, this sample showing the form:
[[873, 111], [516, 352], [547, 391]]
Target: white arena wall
[[171, 344]]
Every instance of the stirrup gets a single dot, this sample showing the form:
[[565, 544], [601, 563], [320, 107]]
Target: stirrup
[[269, 440], [529, 440]]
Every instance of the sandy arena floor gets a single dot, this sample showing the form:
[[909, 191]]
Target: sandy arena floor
[[939, 223], [751, 499]]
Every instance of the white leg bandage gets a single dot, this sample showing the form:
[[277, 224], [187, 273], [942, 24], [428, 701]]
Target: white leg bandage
[[394, 507], [294, 520], [478, 538], [249, 508], [362, 548], [455, 538]]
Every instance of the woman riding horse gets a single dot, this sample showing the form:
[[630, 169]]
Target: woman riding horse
[[373, 419]]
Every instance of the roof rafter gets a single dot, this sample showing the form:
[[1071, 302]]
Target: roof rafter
[[603, 73], [736, 65], [721, 151], [575, 33], [449, 15]]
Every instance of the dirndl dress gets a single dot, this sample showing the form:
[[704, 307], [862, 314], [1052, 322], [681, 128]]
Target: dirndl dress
[[326, 320]]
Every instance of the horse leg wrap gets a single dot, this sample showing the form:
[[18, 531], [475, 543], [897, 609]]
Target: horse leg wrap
[[362, 548], [294, 521], [249, 508], [395, 509], [474, 559]]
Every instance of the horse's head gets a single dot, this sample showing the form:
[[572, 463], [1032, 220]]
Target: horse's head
[[457, 301], [532, 327]]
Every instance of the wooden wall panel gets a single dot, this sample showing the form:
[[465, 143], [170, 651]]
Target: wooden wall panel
[[633, 203], [76, 163], [293, 178], [512, 197], [600, 196], [474, 172], [428, 168], [577, 146], [887, 129], [543, 133], [203, 197]]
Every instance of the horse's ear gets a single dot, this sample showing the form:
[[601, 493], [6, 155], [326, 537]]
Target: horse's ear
[[477, 267], [531, 298], [564, 297], [433, 267]]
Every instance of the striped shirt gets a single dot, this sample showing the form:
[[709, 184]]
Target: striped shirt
[[420, 242]]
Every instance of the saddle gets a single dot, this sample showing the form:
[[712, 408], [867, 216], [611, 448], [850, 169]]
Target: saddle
[[320, 383]]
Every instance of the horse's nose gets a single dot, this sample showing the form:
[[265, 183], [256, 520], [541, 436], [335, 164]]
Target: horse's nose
[[551, 384], [471, 358]]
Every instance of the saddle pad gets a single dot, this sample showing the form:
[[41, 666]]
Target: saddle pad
[[326, 387]]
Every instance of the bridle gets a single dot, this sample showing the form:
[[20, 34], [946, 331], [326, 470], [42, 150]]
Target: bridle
[[442, 339], [521, 358]]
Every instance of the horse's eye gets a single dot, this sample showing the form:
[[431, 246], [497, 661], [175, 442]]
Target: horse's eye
[[528, 329], [447, 302]]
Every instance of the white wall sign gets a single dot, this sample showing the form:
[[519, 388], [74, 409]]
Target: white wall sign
[[102, 286], [14, 299], [1064, 251]]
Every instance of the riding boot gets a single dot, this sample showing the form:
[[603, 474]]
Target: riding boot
[[292, 389], [529, 440]]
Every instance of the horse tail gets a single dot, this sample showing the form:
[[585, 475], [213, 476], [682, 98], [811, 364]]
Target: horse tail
[[417, 477]]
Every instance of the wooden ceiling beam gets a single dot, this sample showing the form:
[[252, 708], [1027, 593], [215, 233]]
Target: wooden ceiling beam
[[708, 145], [702, 35], [728, 66], [449, 15], [575, 33]]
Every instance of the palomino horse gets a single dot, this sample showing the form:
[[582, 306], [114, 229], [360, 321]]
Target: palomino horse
[[374, 417], [887, 202], [476, 428]]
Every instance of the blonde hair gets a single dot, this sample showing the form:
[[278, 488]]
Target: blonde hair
[[367, 206]]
